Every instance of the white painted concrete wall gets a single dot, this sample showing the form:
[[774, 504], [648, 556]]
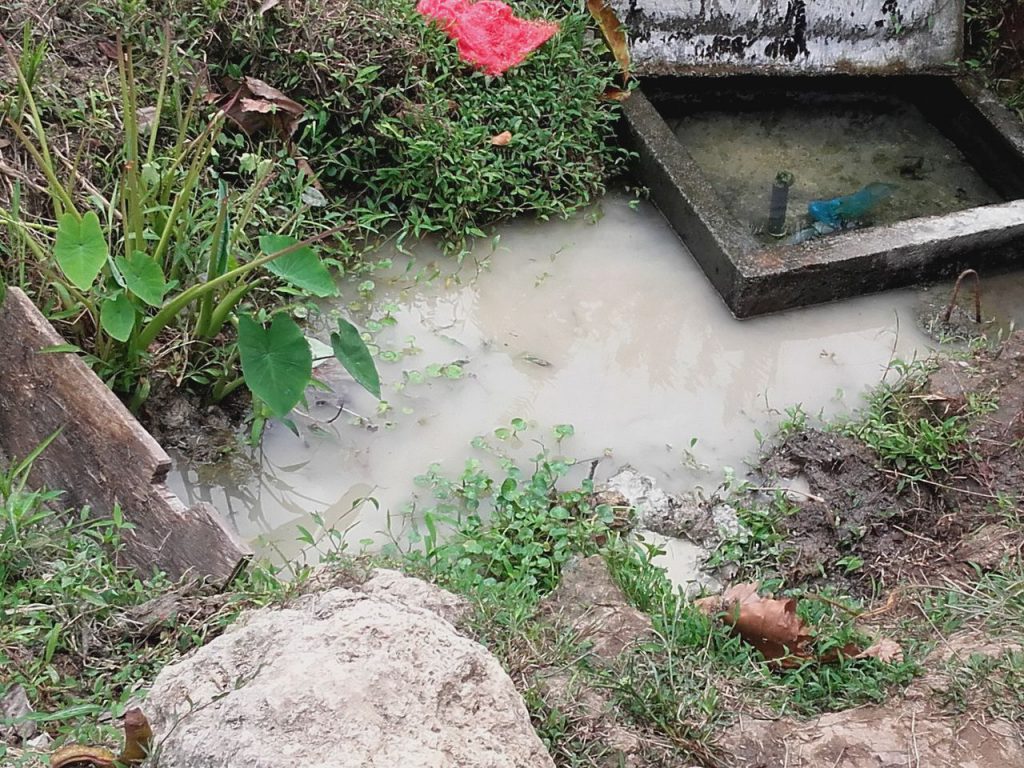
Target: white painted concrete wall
[[669, 36]]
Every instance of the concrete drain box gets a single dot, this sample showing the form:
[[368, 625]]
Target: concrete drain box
[[844, 95]]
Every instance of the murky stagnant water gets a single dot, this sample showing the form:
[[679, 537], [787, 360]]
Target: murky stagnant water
[[832, 151], [604, 322]]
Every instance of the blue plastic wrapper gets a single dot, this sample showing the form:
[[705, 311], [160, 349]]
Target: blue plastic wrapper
[[839, 211]]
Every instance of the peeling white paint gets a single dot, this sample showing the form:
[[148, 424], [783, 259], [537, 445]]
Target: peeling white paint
[[675, 36]]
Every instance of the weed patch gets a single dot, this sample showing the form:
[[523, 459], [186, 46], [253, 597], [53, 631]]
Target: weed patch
[[994, 45], [507, 541], [171, 232], [81, 635], [918, 442]]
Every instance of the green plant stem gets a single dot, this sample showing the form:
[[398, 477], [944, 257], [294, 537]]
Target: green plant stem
[[222, 390], [165, 61], [184, 120], [58, 193], [41, 156], [186, 297], [215, 263], [134, 217], [198, 162], [221, 311]]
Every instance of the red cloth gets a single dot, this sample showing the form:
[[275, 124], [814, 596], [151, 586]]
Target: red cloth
[[488, 34]]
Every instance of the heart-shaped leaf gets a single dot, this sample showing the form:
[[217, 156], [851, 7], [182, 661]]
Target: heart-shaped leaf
[[302, 267], [143, 277], [351, 352], [276, 362], [80, 249], [117, 316]]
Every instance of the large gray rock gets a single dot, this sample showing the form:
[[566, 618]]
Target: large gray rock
[[343, 678]]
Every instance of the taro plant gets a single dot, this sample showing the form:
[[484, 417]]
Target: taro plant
[[133, 284]]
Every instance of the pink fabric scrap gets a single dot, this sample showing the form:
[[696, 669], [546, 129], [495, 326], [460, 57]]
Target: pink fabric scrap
[[488, 34]]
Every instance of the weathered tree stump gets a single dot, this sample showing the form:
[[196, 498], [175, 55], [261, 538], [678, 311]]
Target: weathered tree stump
[[102, 456]]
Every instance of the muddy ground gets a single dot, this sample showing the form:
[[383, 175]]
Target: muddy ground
[[946, 526], [183, 421], [946, 532]]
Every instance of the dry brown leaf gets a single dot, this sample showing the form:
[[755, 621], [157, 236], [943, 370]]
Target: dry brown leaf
[[885, 650], [614, 94], [769, 625], [254, 105], [502, 139], [302, 164], [773, 627], [614, 34], [108, 49]]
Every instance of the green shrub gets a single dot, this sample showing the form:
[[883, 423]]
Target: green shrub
[[141, 275], [398, 128]]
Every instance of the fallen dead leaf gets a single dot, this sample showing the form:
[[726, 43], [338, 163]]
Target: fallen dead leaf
[[109, 49], [254, 105], [885, 650], [305, 168], [769, 625], [502, 139], [144, 117], [266, 5], [14, 715], [614, 94], [614, 34]]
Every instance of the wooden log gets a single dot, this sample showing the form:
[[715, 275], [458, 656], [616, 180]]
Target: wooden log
[[102, 456]]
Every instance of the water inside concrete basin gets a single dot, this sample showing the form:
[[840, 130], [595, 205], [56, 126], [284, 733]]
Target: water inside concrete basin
[[604, 322], [832, 150]]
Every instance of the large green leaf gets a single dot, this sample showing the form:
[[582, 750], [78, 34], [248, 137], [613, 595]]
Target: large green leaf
[[276, 362], [81, 249], [302, 267], [143, 277], [351, 351], [117, 316]]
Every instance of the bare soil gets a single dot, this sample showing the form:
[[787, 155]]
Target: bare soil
[[181, 420], [921, 532], [906, 733], [916, 730]]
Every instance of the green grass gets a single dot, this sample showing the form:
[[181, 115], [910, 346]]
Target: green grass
[[989, 50], [759, 546], [907, 435], [64, 602], [993, 683], [502, 541], [396, 130]]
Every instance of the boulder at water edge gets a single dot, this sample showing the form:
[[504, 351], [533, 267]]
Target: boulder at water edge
[[347, 677]]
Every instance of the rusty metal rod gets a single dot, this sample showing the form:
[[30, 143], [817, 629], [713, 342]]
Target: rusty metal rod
[[956, 293]]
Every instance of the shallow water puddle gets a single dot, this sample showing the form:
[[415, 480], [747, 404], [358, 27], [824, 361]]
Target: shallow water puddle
[[603, 322]]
